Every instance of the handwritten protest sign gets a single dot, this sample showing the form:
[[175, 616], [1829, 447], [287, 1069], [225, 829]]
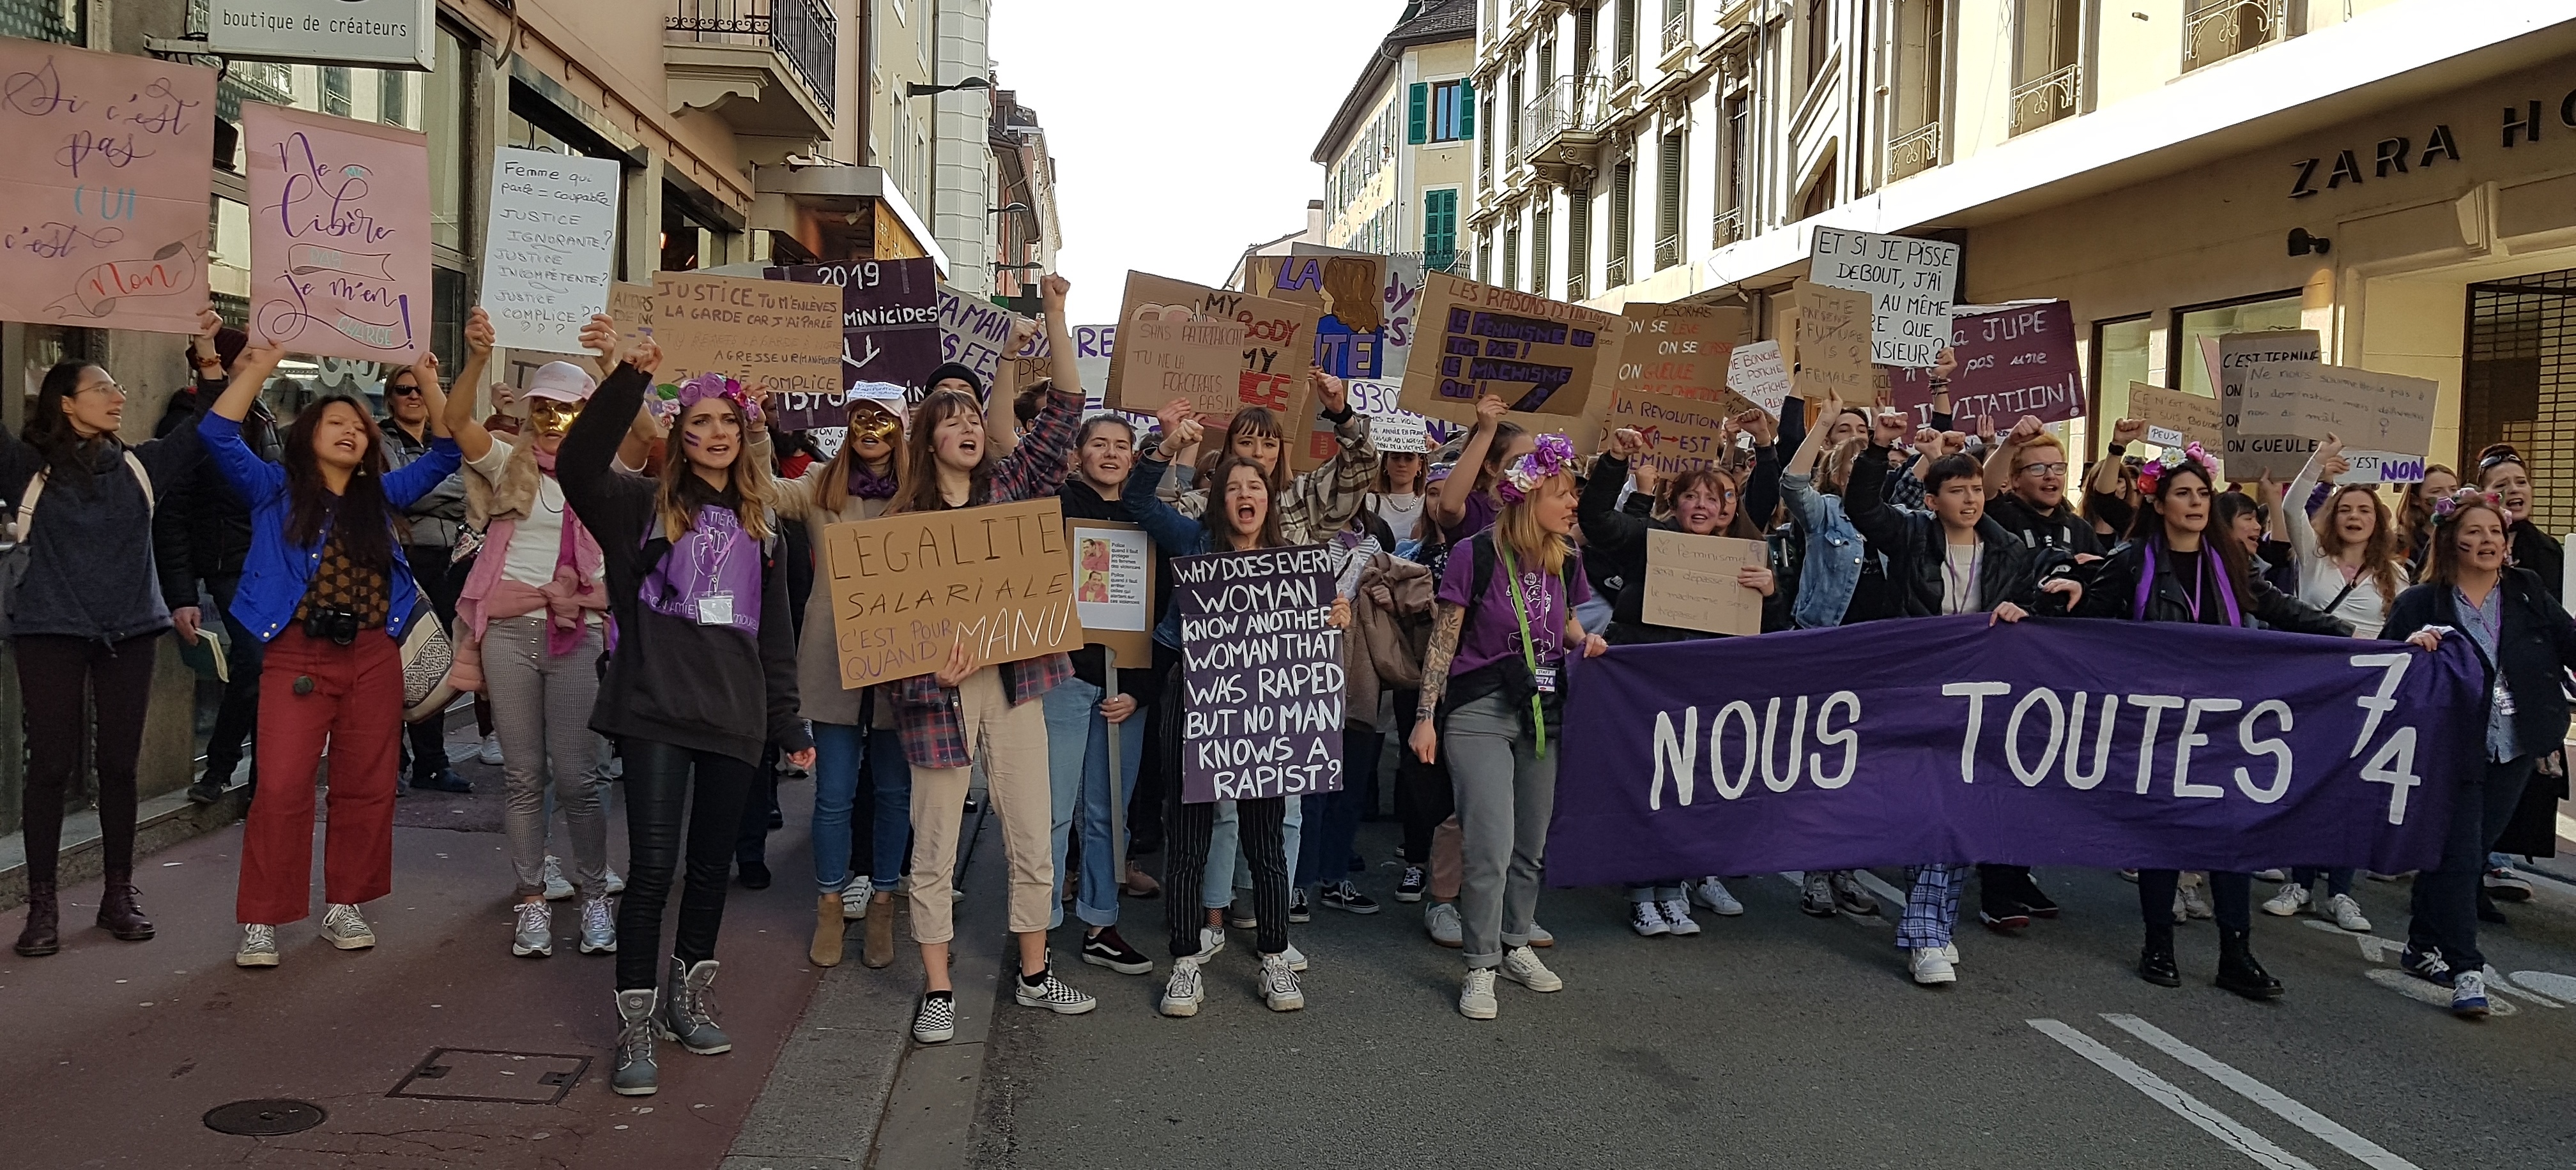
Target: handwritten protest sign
[[2014, 360], [906, 588], [1678, 350], [1274, 345], [631, 307], [2250, 452], [1346, 285], [2384, 420], [1544, 358], [1168, 348], [1690, 582], [972, 333], [1400, 310], [1685, 431], [339, 234], [1388, 423], [1262, 674], [109, 189], [1400, 433], [1833, 344], [775, 331], [889, 329], [1911, 284], [1757, 374], [553, 245], [2176, 417], [1113, 587]]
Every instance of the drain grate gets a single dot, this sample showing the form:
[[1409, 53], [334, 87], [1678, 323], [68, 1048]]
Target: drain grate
[[479, 1074], [264, 1118]]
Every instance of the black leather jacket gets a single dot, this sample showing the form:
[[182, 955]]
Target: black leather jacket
[[1916, 549], [2113, 593]]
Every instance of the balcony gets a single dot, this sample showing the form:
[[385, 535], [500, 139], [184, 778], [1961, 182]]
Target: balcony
[[1668, 251], [2043, 100], [1615, 273], [1677, 31], [1728, 227], [1915, 151], [1560, 128], [764, 66], [2214, 30]]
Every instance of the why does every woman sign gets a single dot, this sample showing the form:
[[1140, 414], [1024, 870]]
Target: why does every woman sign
[[1262, 668]]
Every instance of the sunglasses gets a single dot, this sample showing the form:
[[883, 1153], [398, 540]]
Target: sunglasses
[[2497, 460], [401, 391]]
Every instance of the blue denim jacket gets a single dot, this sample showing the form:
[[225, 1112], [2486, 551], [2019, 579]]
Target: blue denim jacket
[[1831, 569], [277, 574]]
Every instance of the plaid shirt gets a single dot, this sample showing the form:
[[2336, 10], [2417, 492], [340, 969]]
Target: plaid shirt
[[930, 716], [1315, 505]]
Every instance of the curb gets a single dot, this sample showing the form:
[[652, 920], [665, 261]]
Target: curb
[[161, 822]]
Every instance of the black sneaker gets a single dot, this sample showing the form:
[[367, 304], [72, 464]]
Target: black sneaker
[[1345, 896], [755, 874], [1409, 889], [2427, 965], [2004, 917], [2039, 904], [1298, 911], [206, 791], [1106, 949]]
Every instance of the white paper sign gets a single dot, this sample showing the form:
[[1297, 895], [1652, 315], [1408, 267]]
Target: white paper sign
[[1758, 372], [2384, 420], [827, 440], [342, 32], [553, 245], [1400, 433], [1910, 284], [1113, 568]]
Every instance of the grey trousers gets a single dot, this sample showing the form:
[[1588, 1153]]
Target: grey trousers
[[541, 711], [1506, 794]]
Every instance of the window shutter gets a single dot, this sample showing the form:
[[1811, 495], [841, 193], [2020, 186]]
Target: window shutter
[[1466, 109], [1417, 116]]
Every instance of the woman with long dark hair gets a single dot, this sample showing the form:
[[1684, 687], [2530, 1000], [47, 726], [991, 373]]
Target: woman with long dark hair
[[94, 599], [2179, 565], [2415, 511], [327, 587]]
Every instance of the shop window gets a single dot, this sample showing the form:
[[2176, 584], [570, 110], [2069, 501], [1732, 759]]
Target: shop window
[[2251, 315], [2123, 352], [2518, 386]]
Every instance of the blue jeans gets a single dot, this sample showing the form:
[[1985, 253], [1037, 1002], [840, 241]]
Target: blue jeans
[[842, 755], [1326, 856], [2338, 881], [1225, 851], [1078, 774]]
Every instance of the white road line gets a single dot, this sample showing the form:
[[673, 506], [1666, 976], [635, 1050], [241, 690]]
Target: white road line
[[2382, 950], [2163, 1092], [1895, 907], [2368, 1152]]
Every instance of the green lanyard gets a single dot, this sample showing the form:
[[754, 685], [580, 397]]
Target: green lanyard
[[1529, 652]]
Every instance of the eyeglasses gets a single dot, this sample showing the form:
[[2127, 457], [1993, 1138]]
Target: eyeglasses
[[402, 391], [2043, 469]]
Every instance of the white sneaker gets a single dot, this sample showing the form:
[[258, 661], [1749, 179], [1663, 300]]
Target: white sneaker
[[1296, 958], [1521, 966], [1279, 985], [1441, 920], [598, 926], [1931, 967], [258, 946], [1712, 893], [491, 750], [2347, 913], [557, 888], [1182, 994], [616, 884], [342, 925], [1647, 919], [2291, 900], [1950, 953], [854, 900], [536, 932], [1476, 996], [1211, 940], [1677, 916], [1539, 937]]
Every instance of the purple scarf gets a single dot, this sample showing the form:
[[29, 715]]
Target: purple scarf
[[2212, 565], [868, 485]]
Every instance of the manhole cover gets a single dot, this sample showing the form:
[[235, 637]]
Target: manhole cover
[[264, 1118], [508, 1078]]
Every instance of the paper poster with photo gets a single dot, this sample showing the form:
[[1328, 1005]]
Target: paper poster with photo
[[1691, 582], [1911, 284], [1261, 674], [2176, 417], [1113, 587], [2248, 451], [2014, 361], [1833, 345], [1757, 373], [2384, 420], [110, 190], [784, 333], [1543, 358], [339, 235], [551, 249], [905, 589]]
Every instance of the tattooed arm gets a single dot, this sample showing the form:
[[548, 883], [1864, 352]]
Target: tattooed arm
[[1450, 621]]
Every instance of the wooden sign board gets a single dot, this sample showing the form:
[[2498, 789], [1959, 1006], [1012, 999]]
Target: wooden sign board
[[2175, 417], [1544, 358], [1833, 345], [1690, 582], [1350, 287], [779, 332], [1678, 350], [997, 579], [1113, 588]]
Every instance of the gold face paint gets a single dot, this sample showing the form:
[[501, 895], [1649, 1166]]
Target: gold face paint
[[873, 423], [551, 417]]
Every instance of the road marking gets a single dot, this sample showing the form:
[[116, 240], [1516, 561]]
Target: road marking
[[1879, 886], [2547, 982], [2422, 992], [2368, 1152], [2382, 950], [2163, 1092]]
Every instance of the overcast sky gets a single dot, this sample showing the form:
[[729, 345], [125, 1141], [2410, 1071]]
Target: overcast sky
[[1180, 128]]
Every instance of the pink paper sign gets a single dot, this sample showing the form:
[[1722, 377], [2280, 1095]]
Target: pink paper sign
[[339, 235], [106, 187]]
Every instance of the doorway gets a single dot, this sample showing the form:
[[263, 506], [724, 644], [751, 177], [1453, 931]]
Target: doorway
[[2518, 385]]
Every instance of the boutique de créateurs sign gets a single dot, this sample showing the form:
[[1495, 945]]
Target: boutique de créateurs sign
[[401, 34]]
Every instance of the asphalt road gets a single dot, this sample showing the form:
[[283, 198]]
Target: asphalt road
[[1778, 1040]]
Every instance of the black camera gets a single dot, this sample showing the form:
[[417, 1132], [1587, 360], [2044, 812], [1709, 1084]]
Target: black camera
[[339, 626]]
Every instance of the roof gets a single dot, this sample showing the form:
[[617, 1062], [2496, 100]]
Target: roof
[[1425, 22]]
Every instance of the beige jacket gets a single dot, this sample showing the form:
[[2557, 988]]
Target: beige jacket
[[820, 696], [1385, 646]]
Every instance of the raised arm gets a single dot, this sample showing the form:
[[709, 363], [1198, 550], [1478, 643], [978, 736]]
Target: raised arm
[[1864, 498], [2302, 535], [1001, 421], [472, 440], [1175, 534], [1448, 503], [1336, 491], [1604, 525], [1061, 365], [583, 463]]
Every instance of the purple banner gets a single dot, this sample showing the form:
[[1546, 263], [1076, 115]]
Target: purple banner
[[2088, 743], [889, 330], [2013, 360]]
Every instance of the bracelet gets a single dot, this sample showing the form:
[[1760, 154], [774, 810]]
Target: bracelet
[[2115, 450], [1338, 417], [207, 363], [1939, 381]]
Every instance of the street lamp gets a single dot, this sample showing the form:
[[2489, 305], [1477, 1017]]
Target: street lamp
[[917, 89], [1006, 209]]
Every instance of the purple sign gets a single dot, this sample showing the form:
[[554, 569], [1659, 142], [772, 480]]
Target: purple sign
[[889, 330], [2014, 360], [2052, 742], [1261, 674]]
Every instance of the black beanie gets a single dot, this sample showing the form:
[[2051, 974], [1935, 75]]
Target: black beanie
[[959, 372]]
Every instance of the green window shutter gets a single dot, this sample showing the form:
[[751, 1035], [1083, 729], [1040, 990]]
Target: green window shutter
[[1417, 117], [1466, 109]]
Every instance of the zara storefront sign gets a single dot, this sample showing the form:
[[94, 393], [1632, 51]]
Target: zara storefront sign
[[398, 34], [2389, 157]]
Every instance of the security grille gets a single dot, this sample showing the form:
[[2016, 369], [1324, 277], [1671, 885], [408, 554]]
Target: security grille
[[2519, 385]]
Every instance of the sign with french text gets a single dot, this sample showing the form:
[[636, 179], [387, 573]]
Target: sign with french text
[[1400, 433], [1691, 582], [2251, 452], [890, 328], [1678, 350], [1261, 674], [2384, 420], [339, 235], [973, 333], [1542, 357], [553, 245], [1757, 373], [774, 331], [1683, 433], [1400, 309], [1273, 344], [1833, 345], [1911, 284], [2176, 417], [2014, 361], [906, 588], [1168, 348]]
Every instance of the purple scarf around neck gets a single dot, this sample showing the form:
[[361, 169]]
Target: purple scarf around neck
[[868, 485]]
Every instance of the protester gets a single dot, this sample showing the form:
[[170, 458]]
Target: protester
[[703, 675], [1491, 692], [1464, 505], [215, 527], [2415, 511], [531, 607], [1398, 500], [1324, 859], [328, 587], [2533, 830], [2525, 644], [1829, 554], [84, 622], [430, 525], [969, 712]]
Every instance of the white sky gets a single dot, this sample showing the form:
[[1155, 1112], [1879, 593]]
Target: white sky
[[1180, 128]]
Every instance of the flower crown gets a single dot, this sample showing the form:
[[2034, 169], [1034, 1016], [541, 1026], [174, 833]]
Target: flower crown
[[1553, 456], [712, 385], [2446, 507], [2153, 472]]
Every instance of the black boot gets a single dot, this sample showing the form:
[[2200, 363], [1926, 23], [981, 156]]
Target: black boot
[[2239, 971], [120, 908], [44, 922], [2156, 959]]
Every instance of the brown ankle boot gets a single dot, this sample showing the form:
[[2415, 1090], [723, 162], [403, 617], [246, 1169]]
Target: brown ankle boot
[[878, 951], [828, 932], [120, 909], [44, 922]]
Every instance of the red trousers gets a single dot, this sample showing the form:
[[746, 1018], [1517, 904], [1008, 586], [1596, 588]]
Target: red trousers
[[313, 693]]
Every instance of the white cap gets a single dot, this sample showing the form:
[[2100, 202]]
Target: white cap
[[561, 381]]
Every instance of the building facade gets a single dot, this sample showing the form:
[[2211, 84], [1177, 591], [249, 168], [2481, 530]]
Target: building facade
[[1398, 156]]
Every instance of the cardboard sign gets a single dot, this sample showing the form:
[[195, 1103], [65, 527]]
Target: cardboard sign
[[1757, 374], [2014, 360], [906, 588], [775, 331], [1690, 582], [1261, 674], [553, 245], [1542, 357], [1685, 432], [1349, 286], [631, 307], [1273, 344], [339, 235], [2176, 417], [1167, 349], [2384, 420], [972, 333], [1400, 311], [1113, 588], [1833, 345], [109, 191], [2237, 353], [890, 330], [1678, 350], [1911, 284]]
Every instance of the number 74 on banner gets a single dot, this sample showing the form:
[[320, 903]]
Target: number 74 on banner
[[2394, 763]]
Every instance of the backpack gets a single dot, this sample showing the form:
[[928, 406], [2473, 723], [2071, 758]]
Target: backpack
[[15, 558], [1511, 676]]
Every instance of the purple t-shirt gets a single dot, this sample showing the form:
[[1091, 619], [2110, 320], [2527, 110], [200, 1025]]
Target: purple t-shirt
[[1495, 633], [1478, 516]]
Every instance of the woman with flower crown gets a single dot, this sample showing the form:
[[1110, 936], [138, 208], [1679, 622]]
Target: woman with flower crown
[[2174, 569], [1492, 682]]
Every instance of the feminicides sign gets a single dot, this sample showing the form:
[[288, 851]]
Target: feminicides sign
[[890, 329], [1911, 284], [1261, 672], [554, 241], [2014, 360]]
